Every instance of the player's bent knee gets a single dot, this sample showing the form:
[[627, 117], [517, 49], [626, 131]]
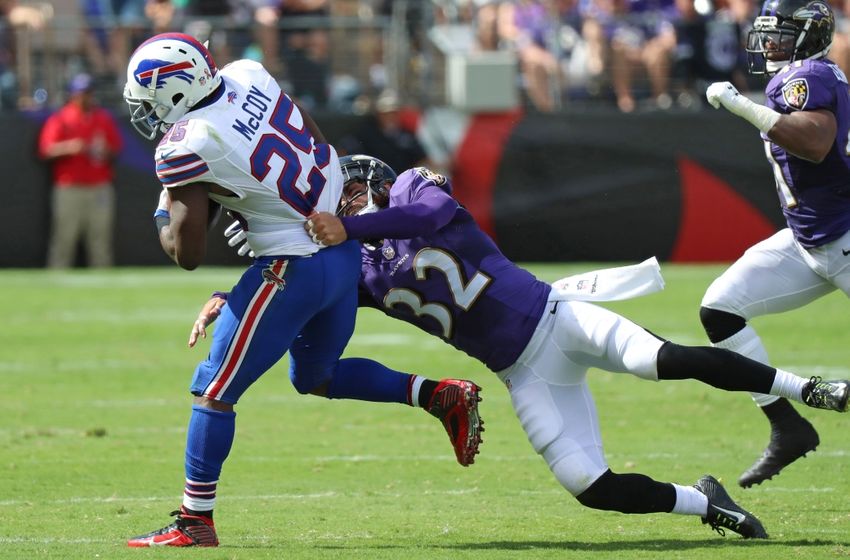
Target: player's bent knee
[[310, 380], [720, 325], [599, 494], [576, 474], [676, 361], [574, 466], [302, 388]]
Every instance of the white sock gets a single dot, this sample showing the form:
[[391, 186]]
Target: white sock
[[747, 343], [415, 386], [690, 501], [788, 385]]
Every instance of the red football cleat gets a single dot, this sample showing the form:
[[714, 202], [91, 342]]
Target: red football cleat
[[455, 403], [186, 530]]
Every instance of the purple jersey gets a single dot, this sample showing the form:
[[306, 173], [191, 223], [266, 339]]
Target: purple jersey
[[453, 282], [815, 197]]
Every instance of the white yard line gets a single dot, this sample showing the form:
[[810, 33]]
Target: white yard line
[[267, 497]]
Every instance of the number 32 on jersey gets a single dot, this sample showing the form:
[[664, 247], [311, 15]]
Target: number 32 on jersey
[[464, 294]]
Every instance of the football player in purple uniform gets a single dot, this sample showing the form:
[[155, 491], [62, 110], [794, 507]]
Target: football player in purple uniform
[[425, 261], [804, 124]]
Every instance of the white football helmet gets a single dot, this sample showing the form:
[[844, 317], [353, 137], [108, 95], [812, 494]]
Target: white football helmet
[[166, 76]]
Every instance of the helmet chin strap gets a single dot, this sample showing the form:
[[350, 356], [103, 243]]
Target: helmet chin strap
[[774, 66]]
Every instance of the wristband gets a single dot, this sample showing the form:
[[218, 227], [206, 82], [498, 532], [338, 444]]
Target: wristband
[[161, 218], [221, 295], [761, 117]]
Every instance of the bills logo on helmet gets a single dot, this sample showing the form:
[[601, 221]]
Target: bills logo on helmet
[[796, 93], [145, 71]]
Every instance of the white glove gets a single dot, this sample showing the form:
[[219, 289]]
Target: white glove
[[724, 93], [235, 236]]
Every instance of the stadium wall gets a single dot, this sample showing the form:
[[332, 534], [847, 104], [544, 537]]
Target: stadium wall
[[596, 186]]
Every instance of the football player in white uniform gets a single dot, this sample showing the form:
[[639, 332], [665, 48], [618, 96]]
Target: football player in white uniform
[[804, 124], [234, 139]]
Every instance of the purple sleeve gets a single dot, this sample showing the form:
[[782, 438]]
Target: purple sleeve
[[811, 86], [432, 209]]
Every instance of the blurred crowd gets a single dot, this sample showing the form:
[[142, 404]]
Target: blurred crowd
[[340, 54], [43, 44], [638, 54]]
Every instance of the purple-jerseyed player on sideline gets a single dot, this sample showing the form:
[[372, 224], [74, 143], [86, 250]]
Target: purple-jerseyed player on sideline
[[425, 261], [233, 138], [804, 125]]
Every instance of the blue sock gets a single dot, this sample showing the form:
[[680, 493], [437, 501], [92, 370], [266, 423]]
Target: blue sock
[[208, 443], [367, 380]]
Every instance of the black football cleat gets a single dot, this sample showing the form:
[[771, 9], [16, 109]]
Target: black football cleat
[[788, 442], [723, 513], [828, 395]]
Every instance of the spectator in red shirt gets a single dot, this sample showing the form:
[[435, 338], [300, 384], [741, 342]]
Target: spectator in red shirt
[[81, 141]]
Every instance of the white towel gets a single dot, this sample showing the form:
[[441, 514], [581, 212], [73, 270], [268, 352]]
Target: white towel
[[612, 284]]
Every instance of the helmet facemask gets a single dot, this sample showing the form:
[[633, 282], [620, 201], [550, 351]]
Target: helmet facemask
[[148, 116], [771, 47], [371, 172], [370, 207]]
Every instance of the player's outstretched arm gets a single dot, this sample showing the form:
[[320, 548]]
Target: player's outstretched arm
[[727, 95], [806, 134], [209, 313]]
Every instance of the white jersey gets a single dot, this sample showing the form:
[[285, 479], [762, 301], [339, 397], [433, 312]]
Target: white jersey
[[253, 142]]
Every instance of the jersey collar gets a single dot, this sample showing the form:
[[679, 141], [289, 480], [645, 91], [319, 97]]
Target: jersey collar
[[211, 98]]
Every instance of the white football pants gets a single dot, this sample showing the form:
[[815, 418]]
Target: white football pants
[[773, 276], [549, 391]]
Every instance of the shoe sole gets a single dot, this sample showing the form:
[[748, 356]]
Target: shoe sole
[[475, 425], [777, 473]]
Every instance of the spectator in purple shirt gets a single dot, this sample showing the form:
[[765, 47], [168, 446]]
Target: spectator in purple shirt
[[804, 125], [425, 261], [530, 27], [642, 38]]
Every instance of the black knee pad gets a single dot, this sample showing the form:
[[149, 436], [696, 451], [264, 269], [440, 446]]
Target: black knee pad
[[720, 325]]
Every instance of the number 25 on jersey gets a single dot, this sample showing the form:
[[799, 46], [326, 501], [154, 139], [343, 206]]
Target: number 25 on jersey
[[283, 143]]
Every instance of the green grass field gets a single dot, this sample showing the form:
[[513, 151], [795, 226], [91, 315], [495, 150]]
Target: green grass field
[[94, 372]]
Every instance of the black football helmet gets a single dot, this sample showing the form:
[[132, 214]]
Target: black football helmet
[[373, 172], [789, 30]]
